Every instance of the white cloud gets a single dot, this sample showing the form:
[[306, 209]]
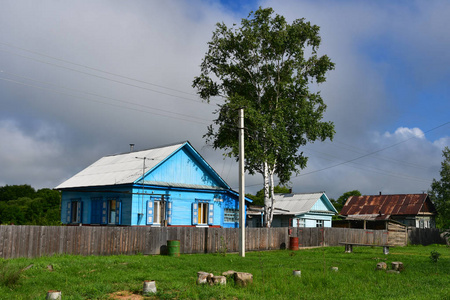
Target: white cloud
[[403, 161], [403, 133]]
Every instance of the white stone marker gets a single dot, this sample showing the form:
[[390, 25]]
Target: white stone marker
[[149, 287], [54, 295]]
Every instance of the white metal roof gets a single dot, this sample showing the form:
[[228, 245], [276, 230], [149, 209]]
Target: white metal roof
[[295, 204], [119, 169]]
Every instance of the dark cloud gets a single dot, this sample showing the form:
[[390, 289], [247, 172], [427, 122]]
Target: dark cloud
[[85, 79]]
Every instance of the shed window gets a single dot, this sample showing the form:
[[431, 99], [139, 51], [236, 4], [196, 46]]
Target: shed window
[[319, 223]]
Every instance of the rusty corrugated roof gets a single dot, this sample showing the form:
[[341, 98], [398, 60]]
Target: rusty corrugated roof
[[383, 205]]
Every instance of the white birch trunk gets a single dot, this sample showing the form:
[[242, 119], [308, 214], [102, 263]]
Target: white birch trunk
[[272, 196], [267, 203]]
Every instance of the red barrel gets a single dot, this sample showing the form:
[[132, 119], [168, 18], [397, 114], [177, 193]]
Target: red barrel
[[293, 243]]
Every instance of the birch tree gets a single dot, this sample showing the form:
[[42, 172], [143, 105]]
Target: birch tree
[[272, 69]]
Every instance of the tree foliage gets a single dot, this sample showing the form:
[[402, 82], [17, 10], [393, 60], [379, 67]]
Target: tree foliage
[[340, 202], [22, 205], [258, 199], [440, 192], [270, 68]]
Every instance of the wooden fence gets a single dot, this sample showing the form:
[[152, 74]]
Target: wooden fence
[[36, 241], [425, 236]]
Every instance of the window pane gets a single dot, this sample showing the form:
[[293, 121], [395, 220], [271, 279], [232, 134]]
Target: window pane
[[74, 212], [202, 213], [112, 211], [157, 212]]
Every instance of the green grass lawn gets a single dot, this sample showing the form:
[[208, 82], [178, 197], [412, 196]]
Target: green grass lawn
[[95, 277]]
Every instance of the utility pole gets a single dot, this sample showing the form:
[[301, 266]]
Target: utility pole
[[241, 185]]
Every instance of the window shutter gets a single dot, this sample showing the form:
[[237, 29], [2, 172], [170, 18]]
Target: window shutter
[[69, 211], [195, 213], [169, 213], [79, 211], [118, 212], [105, 212], [149, 212], [211, 214]]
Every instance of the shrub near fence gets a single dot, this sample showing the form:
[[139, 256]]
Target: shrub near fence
[[36, 241]]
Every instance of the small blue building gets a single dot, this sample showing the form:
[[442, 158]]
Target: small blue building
[[303, 210], [166, 186]]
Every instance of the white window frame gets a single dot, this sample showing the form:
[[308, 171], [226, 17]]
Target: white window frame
[[320, 223], [202, 213]]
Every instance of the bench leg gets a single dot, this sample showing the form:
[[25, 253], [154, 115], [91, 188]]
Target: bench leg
[[385, 250], [348, 248]]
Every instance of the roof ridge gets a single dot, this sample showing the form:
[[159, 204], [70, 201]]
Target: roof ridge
[[391, 195], [321, 192], [153, 148]]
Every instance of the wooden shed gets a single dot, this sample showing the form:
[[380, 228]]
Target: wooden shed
[[397, 232], [415, 210]]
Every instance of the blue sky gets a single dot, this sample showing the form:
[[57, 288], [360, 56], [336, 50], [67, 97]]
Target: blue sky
[[80, 80]]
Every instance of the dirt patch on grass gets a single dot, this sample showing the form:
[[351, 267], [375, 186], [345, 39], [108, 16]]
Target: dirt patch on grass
[[125, 295]]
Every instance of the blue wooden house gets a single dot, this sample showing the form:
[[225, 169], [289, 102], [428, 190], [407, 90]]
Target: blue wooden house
[[166, 186], [303, 210]]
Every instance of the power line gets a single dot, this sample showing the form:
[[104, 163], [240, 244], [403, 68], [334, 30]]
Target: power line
[[97, 95], [106, 103], [152, 90], [374, 152], [366, 155], [105, 78], [94, 69], [355, 149], [378, 170]]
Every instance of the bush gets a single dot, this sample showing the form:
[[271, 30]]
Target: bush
[[434, 256], [9, 275]]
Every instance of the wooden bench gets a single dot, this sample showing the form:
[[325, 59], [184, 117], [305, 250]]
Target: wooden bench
[[349, 247]]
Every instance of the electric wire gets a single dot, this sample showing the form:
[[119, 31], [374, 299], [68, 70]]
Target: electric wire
[[105, 78], [365, 155], [92, 68], [373, 152], [98, 95], [374, 169], [102, 102], [355, 149], [156, 91]]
